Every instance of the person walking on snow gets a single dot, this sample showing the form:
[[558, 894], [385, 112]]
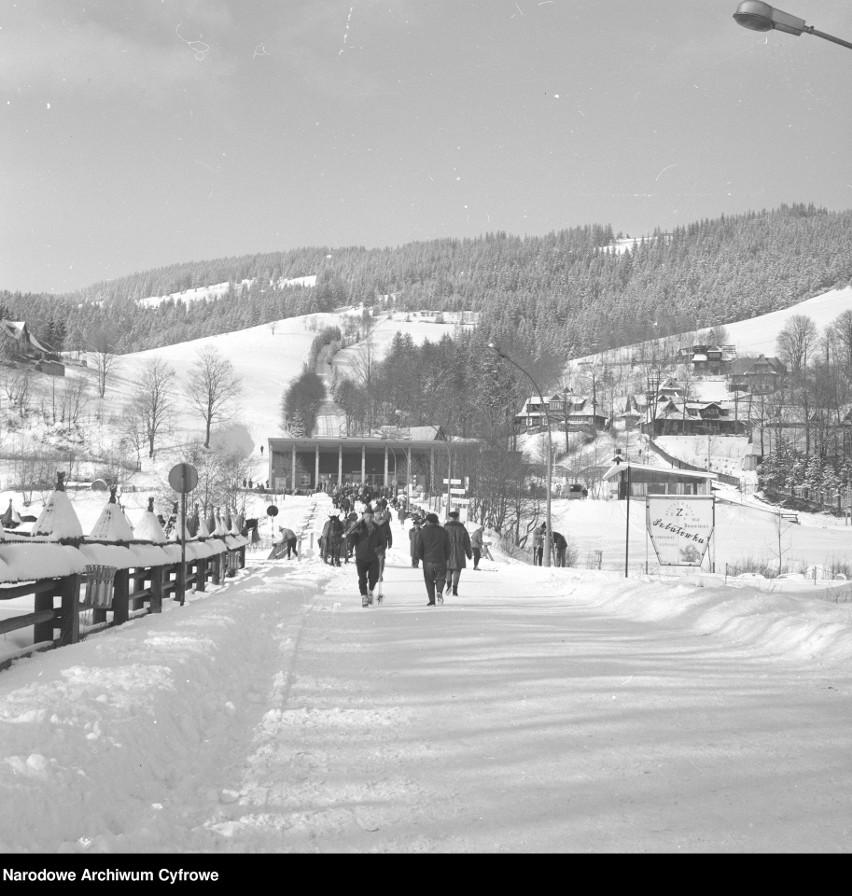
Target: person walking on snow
[[538, 544], [368, 538], [560, 545], [460, 550], [412, 537], [476, 546], [432, 546], [385, 542]]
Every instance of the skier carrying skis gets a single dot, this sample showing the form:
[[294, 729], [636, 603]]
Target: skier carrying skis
[[368, 539]]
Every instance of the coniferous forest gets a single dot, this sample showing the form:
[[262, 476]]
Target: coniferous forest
[[565, 293]]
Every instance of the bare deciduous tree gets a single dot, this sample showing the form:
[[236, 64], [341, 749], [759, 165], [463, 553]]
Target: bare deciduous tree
[[364, 367], [103, 345], [796, 341], [213, 389], [153, 402]]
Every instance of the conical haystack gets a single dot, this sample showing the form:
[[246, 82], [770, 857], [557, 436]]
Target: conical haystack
[[112, 524], [58, 521], [203, 530], [149, 528]]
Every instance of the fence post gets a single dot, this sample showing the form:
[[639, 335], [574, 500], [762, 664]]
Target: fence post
[[43, 631], [120, 596], [69, 593], [156, 603]]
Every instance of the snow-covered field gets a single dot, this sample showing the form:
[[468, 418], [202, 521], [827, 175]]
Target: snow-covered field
[[540, 710], [554, 710], [267, 358]]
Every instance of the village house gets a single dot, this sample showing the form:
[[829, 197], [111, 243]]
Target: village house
[[28, 348], [639, 480], [759, 376], [674, 417], [561, 408], [707, 359]]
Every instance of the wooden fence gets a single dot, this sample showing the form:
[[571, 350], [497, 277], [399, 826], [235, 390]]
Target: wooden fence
[[107, 592]]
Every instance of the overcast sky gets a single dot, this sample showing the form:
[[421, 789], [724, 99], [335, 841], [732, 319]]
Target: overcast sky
[[139, 134]]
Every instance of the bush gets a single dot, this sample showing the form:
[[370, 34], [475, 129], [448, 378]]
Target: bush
[[768, 568], [836, 566]]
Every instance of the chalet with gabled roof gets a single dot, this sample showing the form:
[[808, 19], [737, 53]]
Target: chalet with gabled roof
[[30, 349], [674, 417], [760, 376], [560, 408], [707, 358]]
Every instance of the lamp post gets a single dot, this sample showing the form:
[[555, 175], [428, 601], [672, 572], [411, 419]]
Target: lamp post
[[449, 470], [548, 535], [759, 16]]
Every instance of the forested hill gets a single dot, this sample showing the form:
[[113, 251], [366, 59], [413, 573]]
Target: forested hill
[[563, 292]]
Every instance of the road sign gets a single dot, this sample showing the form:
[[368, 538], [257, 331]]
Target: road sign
[[452, 482], [272, 510], [458, 491], [462, 502], [183, 478]]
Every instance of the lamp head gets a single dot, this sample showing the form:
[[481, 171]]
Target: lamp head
[[758, 16]]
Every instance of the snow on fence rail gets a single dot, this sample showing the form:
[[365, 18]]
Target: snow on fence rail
[[107, 582]]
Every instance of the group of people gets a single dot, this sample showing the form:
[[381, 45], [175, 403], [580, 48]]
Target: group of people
[[345, 497], [557, 539], [444, 551], [360, 530]]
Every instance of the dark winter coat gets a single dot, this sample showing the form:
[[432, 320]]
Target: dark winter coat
[[459, 544], [368, 539], [412, 537], [559, 542], [432, 544], [385, 536]]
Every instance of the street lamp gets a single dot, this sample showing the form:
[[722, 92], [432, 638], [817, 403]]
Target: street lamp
[[759, 16], [548, 536]]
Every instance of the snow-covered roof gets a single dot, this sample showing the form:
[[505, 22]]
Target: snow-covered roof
[[424, 433], [660, 472]]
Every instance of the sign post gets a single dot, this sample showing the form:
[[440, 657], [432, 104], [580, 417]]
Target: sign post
[[272, 512], [183, 478], [453, 493]]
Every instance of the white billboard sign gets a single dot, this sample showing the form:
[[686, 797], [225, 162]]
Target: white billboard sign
[[680, 527]]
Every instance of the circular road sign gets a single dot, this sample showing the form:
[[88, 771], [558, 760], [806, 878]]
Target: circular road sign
[[183, 478], [272, 510]]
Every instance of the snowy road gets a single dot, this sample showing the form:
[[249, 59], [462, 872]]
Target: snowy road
[[277, 715]]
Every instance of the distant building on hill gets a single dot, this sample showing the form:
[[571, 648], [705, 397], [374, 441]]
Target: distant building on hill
[[707, 359], [674, 417], [28, 348], [565, 408], [760, 376]]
